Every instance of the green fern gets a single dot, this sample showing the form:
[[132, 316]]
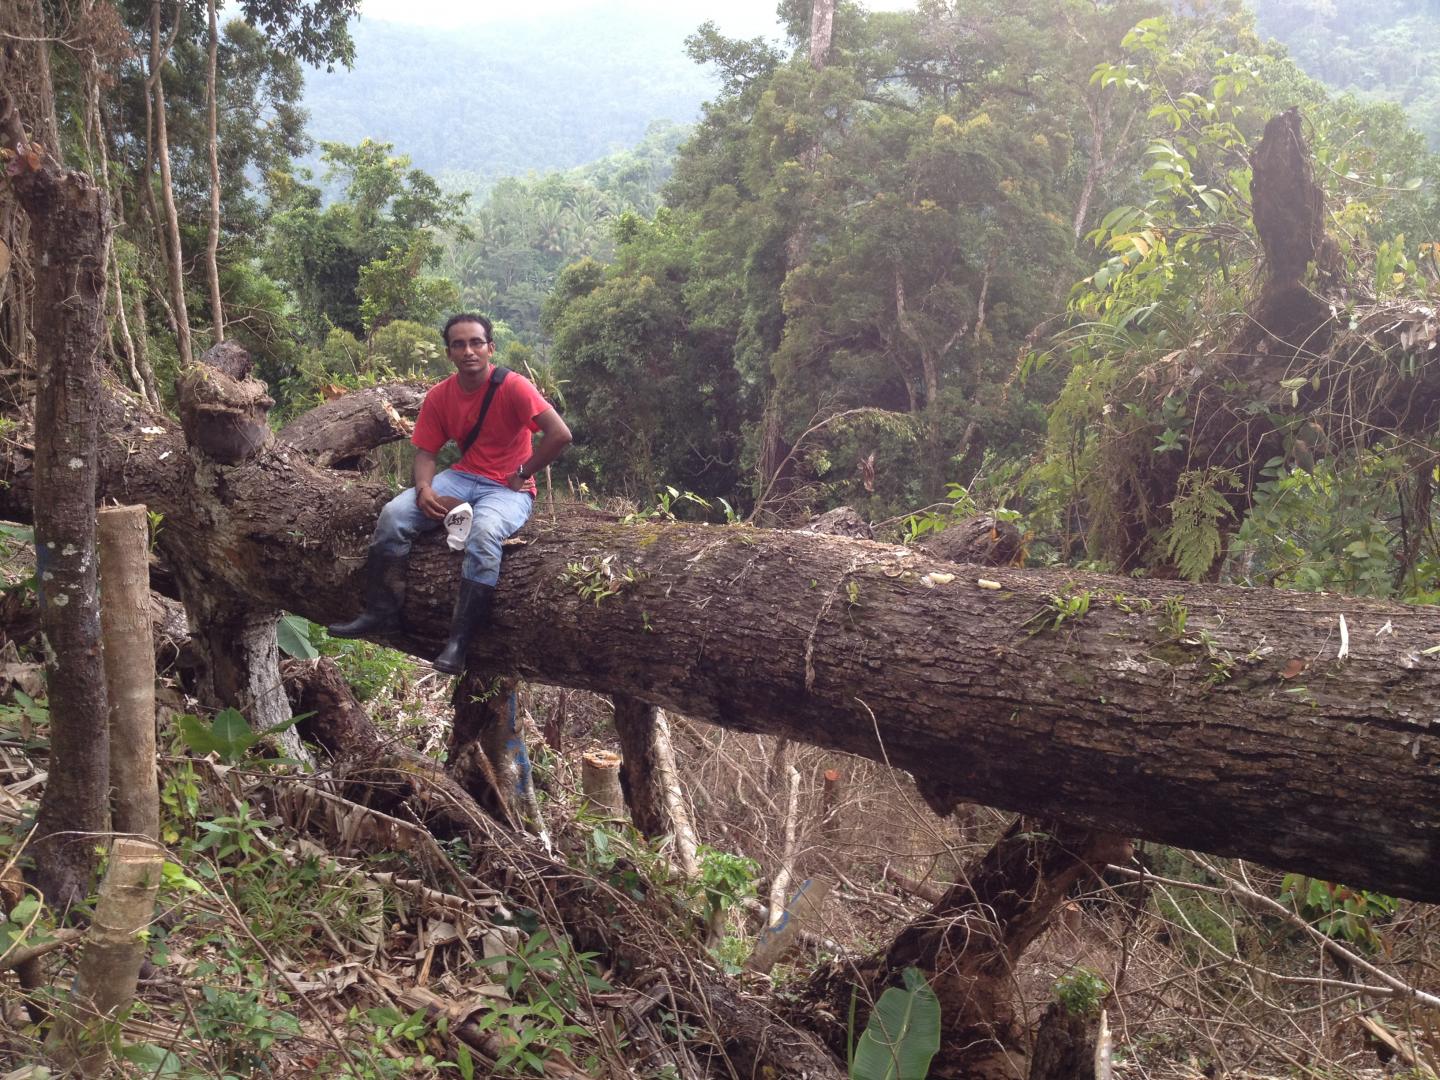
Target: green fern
[[1192, 540]]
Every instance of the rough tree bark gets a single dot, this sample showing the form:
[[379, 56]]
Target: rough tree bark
[[1211, 717], [69, 230], [970, 940]]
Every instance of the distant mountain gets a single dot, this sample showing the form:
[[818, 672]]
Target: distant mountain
[[1386, 50], [511, 96]]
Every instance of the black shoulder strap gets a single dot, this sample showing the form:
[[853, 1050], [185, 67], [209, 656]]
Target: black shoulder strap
[[496, 378]]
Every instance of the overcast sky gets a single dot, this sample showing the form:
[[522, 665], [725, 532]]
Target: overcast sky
[[737, 18]]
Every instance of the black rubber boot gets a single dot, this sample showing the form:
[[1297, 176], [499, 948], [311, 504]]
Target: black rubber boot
[[472, 612], [384, 594]]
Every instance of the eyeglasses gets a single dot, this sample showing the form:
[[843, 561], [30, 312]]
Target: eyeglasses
[[474, 343]]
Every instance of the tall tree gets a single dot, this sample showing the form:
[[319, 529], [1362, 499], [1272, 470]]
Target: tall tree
[[68, 233]]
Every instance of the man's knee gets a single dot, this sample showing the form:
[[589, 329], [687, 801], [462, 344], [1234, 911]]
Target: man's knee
[[397, 519]]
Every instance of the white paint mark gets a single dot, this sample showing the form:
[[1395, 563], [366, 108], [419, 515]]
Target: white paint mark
[[47, 576], [1344, 639], [75, 463], [69, 549], [1386, 629], [61, 600]]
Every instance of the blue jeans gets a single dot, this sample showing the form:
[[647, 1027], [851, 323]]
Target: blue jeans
[[499, 513]]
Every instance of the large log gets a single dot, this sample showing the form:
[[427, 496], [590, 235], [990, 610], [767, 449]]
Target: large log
[[1210, 717]]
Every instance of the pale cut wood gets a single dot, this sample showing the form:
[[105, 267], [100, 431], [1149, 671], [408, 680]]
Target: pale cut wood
[[129, 668], [600, 781], [110, 963], [789, 924]]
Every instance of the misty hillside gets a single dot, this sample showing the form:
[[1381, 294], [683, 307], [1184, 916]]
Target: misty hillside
[[511, 97]]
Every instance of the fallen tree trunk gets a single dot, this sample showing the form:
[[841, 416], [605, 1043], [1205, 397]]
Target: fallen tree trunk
[[1210, 717]]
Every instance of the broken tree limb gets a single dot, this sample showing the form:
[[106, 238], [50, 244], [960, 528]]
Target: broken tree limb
[[344, 430], [1210, 717]]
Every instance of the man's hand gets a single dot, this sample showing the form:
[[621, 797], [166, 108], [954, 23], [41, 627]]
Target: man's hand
[[516, 481], [429, 503]]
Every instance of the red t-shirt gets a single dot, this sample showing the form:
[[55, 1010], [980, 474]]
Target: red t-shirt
[[503, 444]]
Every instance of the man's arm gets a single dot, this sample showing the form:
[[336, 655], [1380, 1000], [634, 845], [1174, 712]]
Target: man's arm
[[425, 496], [554, 437]]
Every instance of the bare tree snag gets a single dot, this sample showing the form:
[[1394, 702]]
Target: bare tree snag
[[129, 668], [69, 224], [1298, 353], [110, 963]]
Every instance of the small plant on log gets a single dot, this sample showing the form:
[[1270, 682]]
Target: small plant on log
[[598, 578], [1062, 608]]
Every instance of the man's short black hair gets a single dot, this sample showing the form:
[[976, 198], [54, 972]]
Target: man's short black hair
[[466, 316]]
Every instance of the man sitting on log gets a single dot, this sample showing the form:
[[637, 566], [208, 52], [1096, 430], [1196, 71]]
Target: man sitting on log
[[491, 413]]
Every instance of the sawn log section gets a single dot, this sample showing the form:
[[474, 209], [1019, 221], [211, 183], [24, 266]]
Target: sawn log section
[[1211, 717]]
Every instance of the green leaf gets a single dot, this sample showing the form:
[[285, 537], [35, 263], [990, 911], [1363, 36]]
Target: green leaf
[[154, 1060], [292, 634], [903, 1034], [229, 735]]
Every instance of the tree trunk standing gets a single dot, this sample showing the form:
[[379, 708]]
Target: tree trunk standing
[[774, 454], [1211, 717], [822, 28], [25, 80], [212, 244], [129, 668], [651, 779], [69, 231], [176, 255]]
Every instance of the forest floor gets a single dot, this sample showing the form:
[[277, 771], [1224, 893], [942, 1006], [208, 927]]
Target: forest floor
[[300, 932]]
